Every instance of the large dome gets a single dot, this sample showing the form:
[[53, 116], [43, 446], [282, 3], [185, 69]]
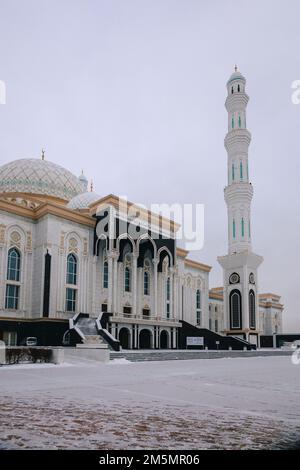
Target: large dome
[[34, 176], [83, 201]]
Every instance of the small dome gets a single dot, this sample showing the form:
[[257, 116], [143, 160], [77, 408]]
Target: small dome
[[34, 176], [83, 201], [84, 181], [236, 76]]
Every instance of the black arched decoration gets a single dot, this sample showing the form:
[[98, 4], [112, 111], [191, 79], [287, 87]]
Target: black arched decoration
[[144, 246], [252, 320], [235, 306], [124, 243], [162, 255]]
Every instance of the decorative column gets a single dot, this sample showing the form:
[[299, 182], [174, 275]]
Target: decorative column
[[155, 286], [115, 282], [95, 306], [171, 293], [110, 283], [134, 284]]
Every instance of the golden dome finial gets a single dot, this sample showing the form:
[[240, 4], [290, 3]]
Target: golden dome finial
[[235, 68], [43, 154], [92, 186]]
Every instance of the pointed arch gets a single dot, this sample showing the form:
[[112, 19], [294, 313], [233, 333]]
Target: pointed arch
[[252, 319], [123, 242], [72, 269], [142, 239], [13, 265], [161, 254], [235, 307]]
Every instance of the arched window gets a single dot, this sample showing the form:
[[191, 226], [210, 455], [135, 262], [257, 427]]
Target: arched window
[[216, 326], [241, 170], [232, 90], [72, 269], [240, 121], [252, 321], [232, 171], [127, 279], [198, 306], [146, 283], [243, 227], [232, 122], [71, 294], [235, 305], [12, 293], [13, 265], [168, 297], [105, 275], [239, 89], [233, 228]]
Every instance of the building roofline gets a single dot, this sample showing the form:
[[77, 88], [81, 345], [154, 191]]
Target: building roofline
[[276, 296], [197, 265], [181, 253], [144, 214]]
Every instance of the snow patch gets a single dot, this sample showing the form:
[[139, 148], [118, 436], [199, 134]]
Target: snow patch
[[122, 360]]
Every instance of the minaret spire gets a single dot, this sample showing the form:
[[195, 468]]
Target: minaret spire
[[240, 264], [239, 191]]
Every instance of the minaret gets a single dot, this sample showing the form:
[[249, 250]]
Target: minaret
[[240, 265]]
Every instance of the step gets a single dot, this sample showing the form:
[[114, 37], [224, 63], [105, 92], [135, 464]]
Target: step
[[142, 356]]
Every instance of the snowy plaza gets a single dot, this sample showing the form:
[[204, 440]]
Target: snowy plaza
[[233, 403]]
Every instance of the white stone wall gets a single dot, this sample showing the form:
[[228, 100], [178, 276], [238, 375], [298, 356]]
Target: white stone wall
[[61, 237], [216, 314], [270, 320], [19, 233]]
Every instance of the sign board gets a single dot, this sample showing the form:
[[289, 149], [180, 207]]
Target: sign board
[[217, 342], [195, 341]]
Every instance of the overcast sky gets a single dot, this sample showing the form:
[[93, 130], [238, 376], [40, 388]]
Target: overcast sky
[[133, 91]]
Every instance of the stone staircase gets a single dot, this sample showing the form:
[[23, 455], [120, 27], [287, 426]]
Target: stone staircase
[[175, 355], [91, 331]]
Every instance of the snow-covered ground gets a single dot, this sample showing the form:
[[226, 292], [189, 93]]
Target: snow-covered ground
[[194, 404]]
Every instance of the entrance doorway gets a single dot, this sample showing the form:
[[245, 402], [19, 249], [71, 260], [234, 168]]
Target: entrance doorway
[[145, 339], [124, 338], [164, 340]]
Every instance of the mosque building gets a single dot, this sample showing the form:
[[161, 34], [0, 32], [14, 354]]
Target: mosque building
[[69, 260]]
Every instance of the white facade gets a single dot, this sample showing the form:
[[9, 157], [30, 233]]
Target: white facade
[[166, 288], [270, 314], [54, 262]]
